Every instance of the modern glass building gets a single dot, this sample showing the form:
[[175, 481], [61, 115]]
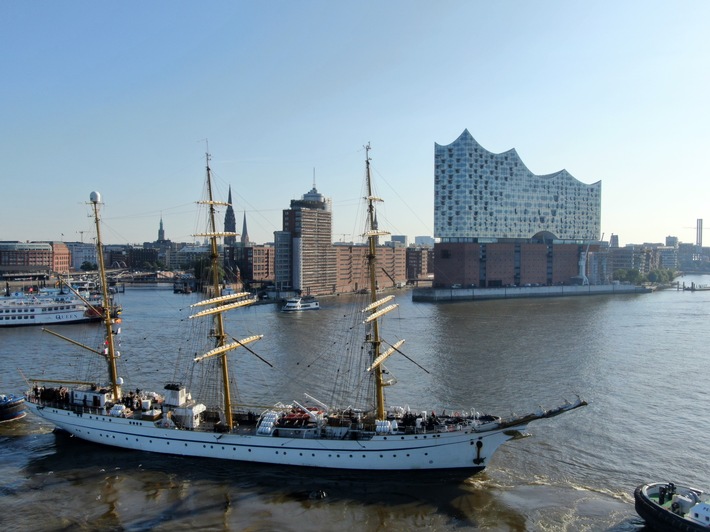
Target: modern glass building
[[480, 196]]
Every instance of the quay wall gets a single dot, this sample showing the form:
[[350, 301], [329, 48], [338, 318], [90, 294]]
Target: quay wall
[[476, 294]]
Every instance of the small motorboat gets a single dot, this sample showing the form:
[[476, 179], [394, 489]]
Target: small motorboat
[[11, 407], [668, 506]]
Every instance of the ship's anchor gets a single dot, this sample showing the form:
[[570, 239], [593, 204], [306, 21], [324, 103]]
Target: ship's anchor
[[478, 460]]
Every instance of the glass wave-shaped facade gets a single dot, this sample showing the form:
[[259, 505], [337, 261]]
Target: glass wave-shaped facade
[[483, 195]]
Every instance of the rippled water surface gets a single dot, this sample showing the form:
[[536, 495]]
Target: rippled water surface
[[641, 362]]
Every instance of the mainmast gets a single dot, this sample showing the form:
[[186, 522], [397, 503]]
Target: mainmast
[[221, 303], [375, 340], [110, 353], [220, 335]]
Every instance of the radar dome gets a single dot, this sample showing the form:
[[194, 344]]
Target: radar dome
[[95, 197]]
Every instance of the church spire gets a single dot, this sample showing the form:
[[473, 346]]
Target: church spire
[[230, 222], [161, 231], [245, 235]]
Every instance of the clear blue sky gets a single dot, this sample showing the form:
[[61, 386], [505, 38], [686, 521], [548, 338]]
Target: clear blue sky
[[119, 96]]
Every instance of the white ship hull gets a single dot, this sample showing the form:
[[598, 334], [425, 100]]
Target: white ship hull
[[47, 317], [26, 309], [464, 449]]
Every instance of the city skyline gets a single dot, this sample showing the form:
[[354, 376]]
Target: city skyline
[[287, 95]]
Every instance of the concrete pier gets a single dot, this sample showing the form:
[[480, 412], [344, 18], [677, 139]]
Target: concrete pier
[[478, 294]]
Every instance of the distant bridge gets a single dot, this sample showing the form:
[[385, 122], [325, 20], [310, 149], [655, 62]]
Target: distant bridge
[[124, 276]]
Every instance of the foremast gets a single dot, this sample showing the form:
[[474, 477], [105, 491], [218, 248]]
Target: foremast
[[110, 351], [222, 302]]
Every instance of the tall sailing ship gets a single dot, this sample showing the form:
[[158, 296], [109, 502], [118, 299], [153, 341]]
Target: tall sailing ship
[[309, 432]]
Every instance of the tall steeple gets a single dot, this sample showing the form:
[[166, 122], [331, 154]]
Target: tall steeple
[[230, 222], [161, 231], [245, 235]]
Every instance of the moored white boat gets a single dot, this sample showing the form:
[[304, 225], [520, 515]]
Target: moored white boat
[[305, 432], [48, 307], [666, 506], [298, 304]]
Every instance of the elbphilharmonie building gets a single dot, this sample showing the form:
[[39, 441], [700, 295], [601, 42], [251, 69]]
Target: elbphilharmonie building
[[480, 195], [499, 224]]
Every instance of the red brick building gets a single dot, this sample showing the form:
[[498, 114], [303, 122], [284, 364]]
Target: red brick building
[[351, 265], [470, 264], [34, 257]]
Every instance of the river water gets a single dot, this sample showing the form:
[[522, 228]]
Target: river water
[[640, 361]]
